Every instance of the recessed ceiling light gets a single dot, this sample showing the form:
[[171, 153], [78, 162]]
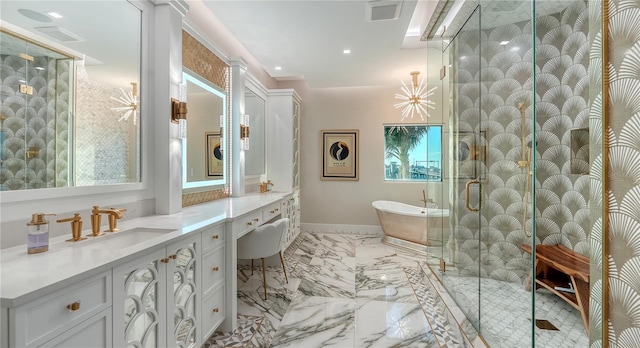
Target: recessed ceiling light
[[346, 51], [502, 43], [278, 68], [36, 16], [54, 14]]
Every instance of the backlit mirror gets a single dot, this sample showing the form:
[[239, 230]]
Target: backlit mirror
[[255, 157], [70, 111], [203, 158]]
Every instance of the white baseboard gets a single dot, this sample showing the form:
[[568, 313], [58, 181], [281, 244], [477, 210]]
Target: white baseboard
[[342, 229]]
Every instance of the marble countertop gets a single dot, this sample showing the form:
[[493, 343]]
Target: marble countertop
[[24, 277]]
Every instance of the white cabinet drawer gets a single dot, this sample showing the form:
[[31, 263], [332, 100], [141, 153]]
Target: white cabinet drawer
[[213, 311], [270, 212], [212, 269], [212, 237], [62, 309], [247, 223]]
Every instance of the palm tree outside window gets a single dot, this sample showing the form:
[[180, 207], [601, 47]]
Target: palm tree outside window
[[413, 152]]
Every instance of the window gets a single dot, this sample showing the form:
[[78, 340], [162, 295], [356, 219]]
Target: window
[[413, 152]]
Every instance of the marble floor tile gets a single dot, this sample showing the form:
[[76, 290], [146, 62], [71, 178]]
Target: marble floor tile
[[313, 321], [392, 324], [383, 283], [320, 281], [354, 291], [276, 282]]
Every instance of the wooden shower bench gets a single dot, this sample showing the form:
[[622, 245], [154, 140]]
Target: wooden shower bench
[[557, 266]]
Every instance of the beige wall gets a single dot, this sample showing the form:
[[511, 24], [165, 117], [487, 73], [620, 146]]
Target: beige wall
[[349, 202]]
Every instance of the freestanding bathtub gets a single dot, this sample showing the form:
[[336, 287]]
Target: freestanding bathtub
[[407, 226]]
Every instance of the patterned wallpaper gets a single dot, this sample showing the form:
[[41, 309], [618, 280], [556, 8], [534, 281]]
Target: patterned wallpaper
[[34, 130], [623, 134], [562, 103]]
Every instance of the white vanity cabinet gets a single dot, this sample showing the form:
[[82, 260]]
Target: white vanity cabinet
[[284, 136], [213, 280], [156, 297], [78, 315], [290, 208]]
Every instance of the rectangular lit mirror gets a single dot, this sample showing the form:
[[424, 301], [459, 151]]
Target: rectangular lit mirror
[[255, 161], [71, 105], [203, 158]]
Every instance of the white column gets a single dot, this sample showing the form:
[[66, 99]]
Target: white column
[[238, 75], [167, 76]]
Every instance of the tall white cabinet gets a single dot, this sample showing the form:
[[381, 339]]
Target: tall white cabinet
[[283, 152]]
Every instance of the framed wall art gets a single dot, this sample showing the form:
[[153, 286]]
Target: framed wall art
[[340, 157], [215, 164]]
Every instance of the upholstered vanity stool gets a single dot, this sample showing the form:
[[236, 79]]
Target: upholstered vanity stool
[[264, 241]]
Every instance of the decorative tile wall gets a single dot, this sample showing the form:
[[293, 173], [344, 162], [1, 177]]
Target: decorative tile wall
[[495, 88], [34, 127], [623, 173], [106, 150]]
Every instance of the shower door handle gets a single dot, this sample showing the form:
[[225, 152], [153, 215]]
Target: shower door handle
[[469, 183]]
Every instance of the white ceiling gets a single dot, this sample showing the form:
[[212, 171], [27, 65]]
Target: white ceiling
[[307, 39]]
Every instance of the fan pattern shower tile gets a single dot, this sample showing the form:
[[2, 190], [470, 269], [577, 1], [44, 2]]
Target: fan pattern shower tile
[[623, 196], [492, 80], [36, 122]]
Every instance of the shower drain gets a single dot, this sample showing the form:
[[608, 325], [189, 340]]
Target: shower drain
[[545, 325]]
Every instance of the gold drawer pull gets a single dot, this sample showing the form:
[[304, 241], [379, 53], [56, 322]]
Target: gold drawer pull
[[216, 310], [271, 212], [166, 260], [216, 269], [73, 306], [216, 236], [174, 256], [249, 223], [256, 219]]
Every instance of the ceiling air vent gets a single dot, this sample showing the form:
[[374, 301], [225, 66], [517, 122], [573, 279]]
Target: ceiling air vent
[[383, 10], [60, 34]]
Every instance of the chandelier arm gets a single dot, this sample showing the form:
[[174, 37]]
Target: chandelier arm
[[122, 108]]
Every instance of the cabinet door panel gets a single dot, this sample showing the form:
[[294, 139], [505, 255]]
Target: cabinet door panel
[[95, 332], [183, 288], [139, 298]]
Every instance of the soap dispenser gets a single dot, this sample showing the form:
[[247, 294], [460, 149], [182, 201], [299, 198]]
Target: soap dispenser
[[38, 234]]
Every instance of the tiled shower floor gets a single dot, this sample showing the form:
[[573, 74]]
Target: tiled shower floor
[[353, 291]]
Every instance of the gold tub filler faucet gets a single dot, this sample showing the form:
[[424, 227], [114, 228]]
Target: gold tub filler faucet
[[96, 216]]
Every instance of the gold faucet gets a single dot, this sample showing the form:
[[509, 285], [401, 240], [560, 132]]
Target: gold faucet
[[76, 227], [264, 187], [113, 215]]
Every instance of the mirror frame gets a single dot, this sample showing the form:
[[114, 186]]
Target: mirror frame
[[146, 103], [189, 75]]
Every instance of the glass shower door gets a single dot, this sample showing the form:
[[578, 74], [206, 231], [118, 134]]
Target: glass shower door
[[462, 276]]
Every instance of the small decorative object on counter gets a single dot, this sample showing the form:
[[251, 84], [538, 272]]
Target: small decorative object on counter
[[38, 234]]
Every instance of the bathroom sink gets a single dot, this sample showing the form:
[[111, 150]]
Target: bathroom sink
[[132, 236]]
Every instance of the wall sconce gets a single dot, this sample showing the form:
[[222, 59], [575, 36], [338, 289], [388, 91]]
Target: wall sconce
[[244, 133], [179, 116]]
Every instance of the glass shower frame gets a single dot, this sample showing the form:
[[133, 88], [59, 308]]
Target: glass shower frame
[[470, 192]]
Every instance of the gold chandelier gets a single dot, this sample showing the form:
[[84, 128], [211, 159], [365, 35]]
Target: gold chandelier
[[415, 99]]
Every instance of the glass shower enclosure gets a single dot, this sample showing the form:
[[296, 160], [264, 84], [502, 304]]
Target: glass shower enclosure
[[521, 138]]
